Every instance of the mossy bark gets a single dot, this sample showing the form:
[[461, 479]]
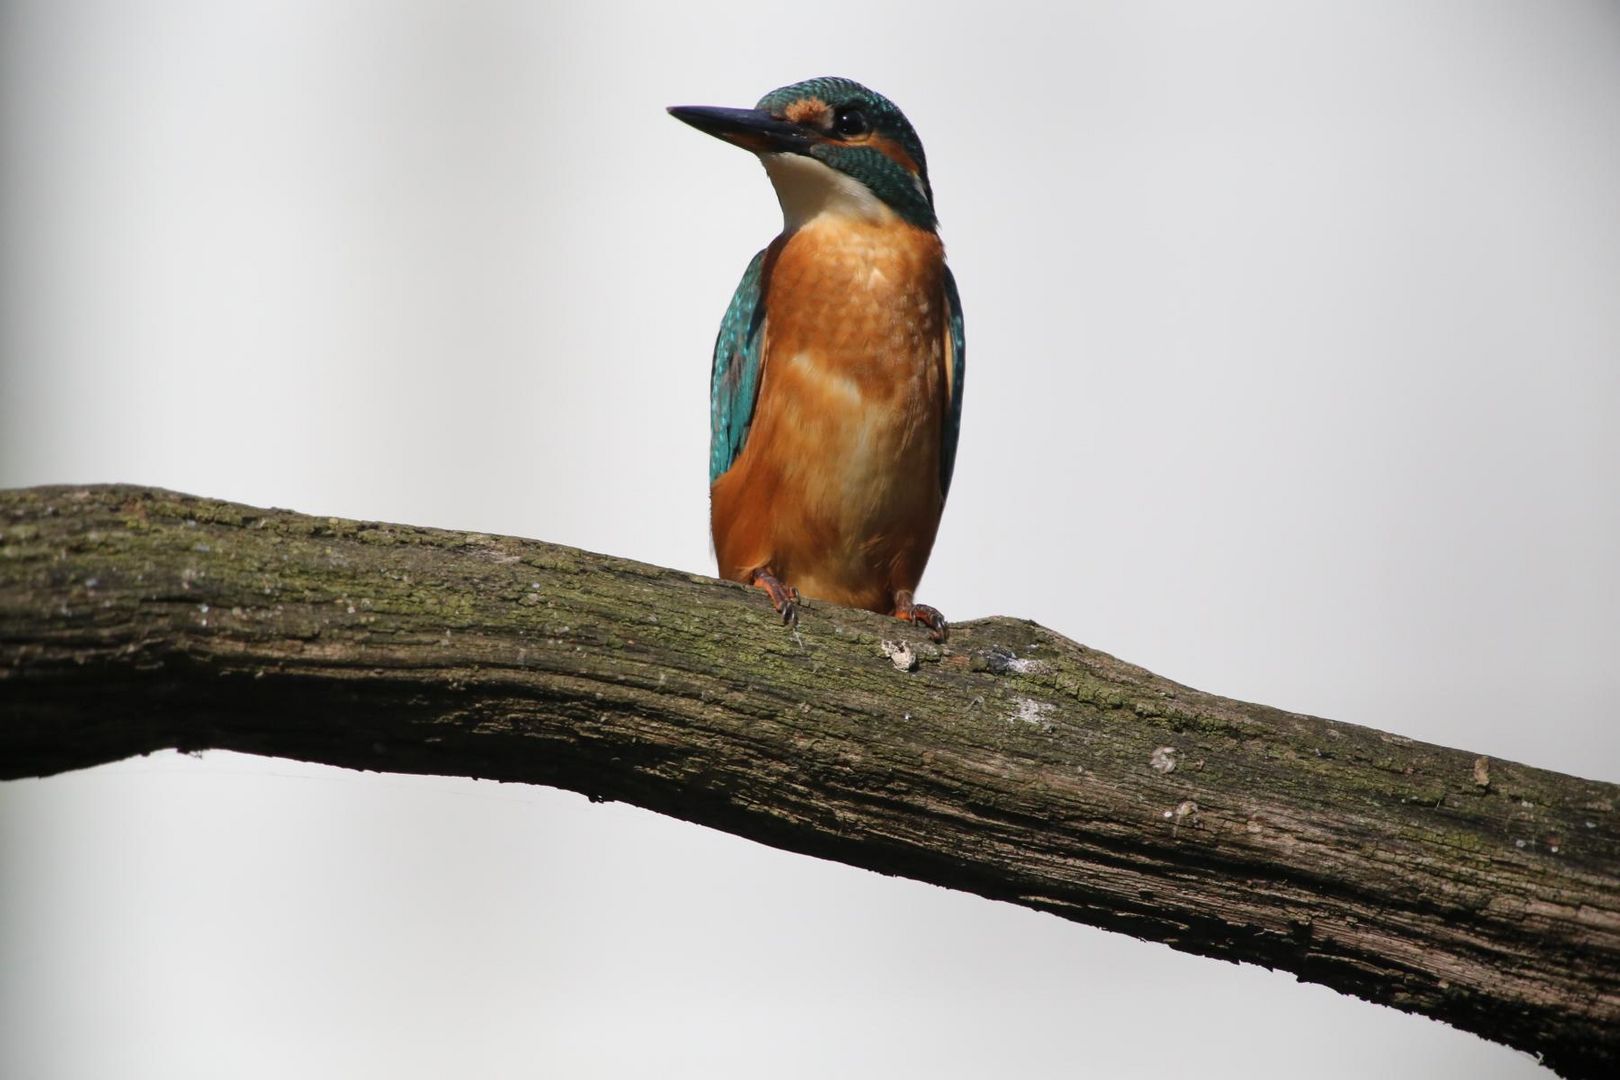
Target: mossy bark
[[1009, 762]]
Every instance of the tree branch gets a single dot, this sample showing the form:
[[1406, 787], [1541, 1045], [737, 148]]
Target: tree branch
[[1011, 762]]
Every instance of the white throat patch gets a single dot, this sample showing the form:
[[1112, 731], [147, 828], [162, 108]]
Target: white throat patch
[[807, 189]]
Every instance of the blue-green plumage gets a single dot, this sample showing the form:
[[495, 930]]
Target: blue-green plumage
[[953, 410], [734, 382]]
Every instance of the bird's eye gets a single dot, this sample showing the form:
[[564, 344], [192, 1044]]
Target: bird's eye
[[848, 123]]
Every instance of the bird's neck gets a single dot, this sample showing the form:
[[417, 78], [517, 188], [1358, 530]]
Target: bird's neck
[[810, 191]]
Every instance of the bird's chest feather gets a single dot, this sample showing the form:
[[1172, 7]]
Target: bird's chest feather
[[854, 389], [838, 486]]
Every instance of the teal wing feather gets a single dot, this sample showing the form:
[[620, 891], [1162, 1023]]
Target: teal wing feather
[[734, 382], [957, 361]]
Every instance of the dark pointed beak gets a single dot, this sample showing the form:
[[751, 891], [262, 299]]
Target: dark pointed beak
[[751, 129]]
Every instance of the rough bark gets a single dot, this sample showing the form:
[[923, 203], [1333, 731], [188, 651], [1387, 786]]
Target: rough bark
[[1010, 762]]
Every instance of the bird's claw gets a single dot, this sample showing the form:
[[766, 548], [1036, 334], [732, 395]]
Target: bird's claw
[[922, 614], [784, 598]]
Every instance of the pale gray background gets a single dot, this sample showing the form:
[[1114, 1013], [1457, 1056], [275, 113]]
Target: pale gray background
[[1294, 339]]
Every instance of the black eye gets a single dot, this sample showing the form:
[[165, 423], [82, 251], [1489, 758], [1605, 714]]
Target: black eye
[[848, 123]]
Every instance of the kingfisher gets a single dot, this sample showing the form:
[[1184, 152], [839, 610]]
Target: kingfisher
[[835, 399]]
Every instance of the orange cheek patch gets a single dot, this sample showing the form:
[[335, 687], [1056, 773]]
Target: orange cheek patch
[[894, 152], [812, 111]]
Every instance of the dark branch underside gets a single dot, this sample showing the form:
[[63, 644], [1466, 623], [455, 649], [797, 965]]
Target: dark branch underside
[[1011, 762]]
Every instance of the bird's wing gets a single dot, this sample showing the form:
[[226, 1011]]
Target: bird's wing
[[738, 358], [955, 373]]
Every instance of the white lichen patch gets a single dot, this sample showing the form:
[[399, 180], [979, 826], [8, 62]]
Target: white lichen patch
[[1029, 711], [1186, 813], [900, 655], [999, 660], [1163, 759]]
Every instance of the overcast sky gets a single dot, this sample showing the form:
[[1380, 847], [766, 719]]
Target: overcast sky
[[1294, 375]]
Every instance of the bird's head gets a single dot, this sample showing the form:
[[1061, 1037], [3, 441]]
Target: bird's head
[[831, 146]]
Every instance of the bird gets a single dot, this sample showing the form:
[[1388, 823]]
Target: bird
[[835, 397]]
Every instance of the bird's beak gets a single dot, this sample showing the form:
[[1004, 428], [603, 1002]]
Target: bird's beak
[[751, 129]]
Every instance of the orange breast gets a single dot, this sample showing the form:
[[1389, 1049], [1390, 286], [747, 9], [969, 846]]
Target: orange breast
[[837, 490]]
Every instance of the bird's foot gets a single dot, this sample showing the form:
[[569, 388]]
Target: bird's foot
[[784, 598], [904, 608]]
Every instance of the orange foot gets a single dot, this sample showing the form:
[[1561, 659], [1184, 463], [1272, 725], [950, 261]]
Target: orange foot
[[783, 598], [938, 628]]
